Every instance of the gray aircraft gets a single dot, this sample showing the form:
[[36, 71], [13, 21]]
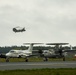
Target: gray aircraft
[[18, 29], [57, 52]]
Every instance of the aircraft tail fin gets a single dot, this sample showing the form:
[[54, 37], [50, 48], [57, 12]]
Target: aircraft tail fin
[[31, 46], [71, 47]]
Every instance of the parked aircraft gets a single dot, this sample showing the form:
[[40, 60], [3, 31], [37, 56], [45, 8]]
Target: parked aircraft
[[19, 29], [2, 55], [73, 50], [21, 53], [75, 56], [57, 52]]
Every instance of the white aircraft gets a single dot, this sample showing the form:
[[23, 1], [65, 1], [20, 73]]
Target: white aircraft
[[21, 53]]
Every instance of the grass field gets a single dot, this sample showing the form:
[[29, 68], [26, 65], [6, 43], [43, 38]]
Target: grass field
[[68, 71], [36, 59]]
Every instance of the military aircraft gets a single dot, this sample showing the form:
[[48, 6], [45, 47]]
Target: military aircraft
[[57, 52], [21, 53], [19, 29]]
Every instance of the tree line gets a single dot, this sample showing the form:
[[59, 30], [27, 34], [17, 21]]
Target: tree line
[[6, 49]]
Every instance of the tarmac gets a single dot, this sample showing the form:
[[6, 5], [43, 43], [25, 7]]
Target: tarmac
[[37, 65]]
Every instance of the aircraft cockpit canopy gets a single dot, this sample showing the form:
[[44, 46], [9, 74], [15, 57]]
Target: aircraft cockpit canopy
[[12, 51]]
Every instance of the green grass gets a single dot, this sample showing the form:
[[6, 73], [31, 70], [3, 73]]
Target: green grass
[[21, 59], [36, 59], [68, 71]]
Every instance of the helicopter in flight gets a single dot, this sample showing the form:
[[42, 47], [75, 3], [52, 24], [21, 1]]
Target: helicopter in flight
[[18, 29]]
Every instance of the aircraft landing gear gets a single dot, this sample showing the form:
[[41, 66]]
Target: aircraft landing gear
[[26, 60], [7, 59], [64, 58], [45, 59]]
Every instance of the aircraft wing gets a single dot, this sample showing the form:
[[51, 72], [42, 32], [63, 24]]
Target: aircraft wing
[[31, 43], [34, 55], [68, 50], [57, 43]]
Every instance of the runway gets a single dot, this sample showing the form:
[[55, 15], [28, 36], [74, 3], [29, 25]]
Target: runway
[[37, 65]]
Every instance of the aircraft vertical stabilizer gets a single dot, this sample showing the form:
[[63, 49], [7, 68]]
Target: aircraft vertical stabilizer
[[71, 47], [30, 47]]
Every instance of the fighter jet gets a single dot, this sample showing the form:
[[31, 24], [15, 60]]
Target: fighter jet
[[18, 29]]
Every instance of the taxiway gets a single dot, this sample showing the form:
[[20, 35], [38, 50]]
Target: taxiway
[[37, 65]]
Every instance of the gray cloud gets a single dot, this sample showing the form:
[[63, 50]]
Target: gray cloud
[[45, 21]]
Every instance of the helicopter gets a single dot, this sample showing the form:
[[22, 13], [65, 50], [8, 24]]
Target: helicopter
[[18, 29]]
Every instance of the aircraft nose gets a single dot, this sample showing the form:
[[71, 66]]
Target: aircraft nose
[[7, 54]]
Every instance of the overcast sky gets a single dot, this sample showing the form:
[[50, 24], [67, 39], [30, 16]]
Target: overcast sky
[[44, 20]]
